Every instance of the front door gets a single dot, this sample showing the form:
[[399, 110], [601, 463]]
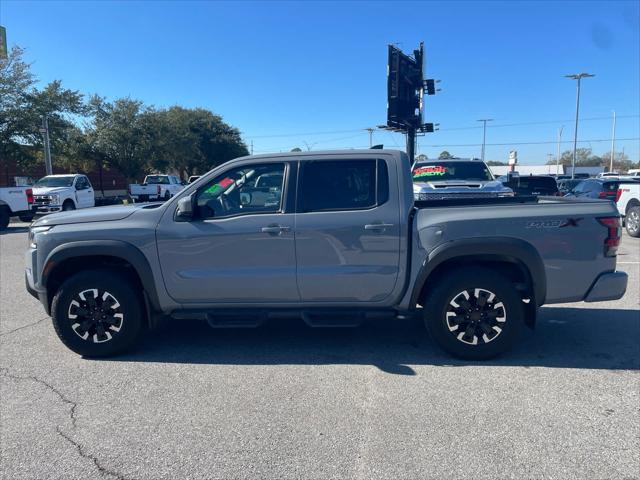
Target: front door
[[240, 247], [84, 193], [347, 231]]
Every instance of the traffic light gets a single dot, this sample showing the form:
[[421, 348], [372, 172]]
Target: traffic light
[[430, 86]]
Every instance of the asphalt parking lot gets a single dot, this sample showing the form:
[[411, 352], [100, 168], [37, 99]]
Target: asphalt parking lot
[[287, 401]]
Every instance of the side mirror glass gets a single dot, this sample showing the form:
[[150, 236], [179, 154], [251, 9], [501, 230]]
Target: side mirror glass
[[185, 208]]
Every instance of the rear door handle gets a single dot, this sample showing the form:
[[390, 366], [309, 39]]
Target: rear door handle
[[378, 226], [275, 229]]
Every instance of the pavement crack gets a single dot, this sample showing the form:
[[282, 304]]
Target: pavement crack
[[72, 415], [23, 327]]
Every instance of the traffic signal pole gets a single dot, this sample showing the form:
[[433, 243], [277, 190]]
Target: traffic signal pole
[[411, 144]]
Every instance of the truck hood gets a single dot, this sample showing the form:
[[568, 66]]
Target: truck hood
[[459, 185], [97, 214], [50, 190]]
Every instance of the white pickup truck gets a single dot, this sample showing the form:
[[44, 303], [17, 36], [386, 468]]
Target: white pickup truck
[[628, 202], [156, 187], [15, 202], [57, 193]]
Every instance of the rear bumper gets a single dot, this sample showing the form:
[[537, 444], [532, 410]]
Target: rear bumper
[[608, 286]]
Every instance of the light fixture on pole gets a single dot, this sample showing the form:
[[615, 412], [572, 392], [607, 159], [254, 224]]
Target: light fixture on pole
[[484, 133], [558, 155], [578, 77], [370, 130]]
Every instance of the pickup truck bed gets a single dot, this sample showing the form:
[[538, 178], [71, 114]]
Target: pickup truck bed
[[332, 237]]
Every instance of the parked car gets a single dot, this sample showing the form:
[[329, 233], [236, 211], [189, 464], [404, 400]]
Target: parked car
[[568, 184], [531, 185], [334, 237], [455, 178], [603, 188], [56, 193], [628, 203], [15, 202], [193, 178], [156, 187]]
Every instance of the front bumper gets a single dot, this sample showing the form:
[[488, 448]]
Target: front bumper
[[31, 280], [46, 209], [608, 286]]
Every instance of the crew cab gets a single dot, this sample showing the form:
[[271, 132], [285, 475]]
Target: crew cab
[[331, 237], [455, 178], [156, 187], [57, 193], [628, 203], [15, 202]]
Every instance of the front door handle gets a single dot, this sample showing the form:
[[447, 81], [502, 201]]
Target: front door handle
[[378, 226], [275, 229]]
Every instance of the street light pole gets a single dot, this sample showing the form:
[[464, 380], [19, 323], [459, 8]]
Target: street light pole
[[484, 133], [558, 155], [613, 142], [47, 147], [578, 77]]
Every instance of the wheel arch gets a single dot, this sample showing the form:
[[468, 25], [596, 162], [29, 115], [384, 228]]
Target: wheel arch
[[71, 258], [634, 202], [516, 259]]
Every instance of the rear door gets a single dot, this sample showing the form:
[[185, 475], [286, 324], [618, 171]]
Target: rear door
[[347, 230]]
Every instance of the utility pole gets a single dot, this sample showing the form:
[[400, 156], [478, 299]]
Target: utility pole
[[251, 147], [47, 149], [411, 144], [484, 133], [578, 77], [613, 142], [370, 130], [558, 155]]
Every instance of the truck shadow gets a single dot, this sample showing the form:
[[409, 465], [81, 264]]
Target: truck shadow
[[586, 338], [14, 229]]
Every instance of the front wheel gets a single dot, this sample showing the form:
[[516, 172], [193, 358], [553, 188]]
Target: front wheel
[[68, 205], [632, 221], [474, 313], [97, 313]]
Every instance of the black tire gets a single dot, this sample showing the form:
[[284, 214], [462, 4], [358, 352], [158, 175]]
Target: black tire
[[87, 333], [26, 218], [4, 218], [476, 329], [167, 195], [68, 205], [632, 221]]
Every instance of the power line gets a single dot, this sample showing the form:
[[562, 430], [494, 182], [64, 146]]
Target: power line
[[497, 125], [525, 143]]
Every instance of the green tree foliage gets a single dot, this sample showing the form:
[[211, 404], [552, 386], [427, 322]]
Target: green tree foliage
[[496, 163], [422, 157], [445, 155], [586, 158], [23, 106]]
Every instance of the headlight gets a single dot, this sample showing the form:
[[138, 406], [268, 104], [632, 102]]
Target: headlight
[[54, 199], [33, 233]]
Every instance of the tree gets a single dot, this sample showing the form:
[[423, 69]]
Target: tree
[[23, 106], [123, 135], [422, 157], [445, 155], [296, 149], [496, 163]]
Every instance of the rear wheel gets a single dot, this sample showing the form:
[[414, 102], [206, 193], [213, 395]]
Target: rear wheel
[[26, 218], [632, 221], [167, 195], [96, 313], [474, 313]]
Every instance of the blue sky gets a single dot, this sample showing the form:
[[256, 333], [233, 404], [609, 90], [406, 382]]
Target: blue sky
[[313, 75]]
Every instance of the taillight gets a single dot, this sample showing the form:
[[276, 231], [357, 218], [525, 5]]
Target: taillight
[[614, 233], [618, 194], [607, 194], [29, 193], [158, 189]]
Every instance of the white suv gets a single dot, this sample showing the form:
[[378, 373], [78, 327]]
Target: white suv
[[56, 193]]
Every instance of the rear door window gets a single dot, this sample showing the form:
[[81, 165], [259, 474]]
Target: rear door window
[[342, 185]]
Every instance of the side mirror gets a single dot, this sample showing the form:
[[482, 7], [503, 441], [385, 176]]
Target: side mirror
[[184, 211]]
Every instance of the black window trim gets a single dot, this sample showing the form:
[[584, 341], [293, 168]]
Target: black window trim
[[302, 163], [283, 202]]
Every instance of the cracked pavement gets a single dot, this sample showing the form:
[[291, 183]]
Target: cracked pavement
[[285, 401]]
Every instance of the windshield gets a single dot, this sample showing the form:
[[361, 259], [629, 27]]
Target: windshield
[[441, 171], [54, 182], [157, 179]]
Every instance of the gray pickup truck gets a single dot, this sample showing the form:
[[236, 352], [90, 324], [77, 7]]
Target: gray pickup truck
[[332, 237]]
